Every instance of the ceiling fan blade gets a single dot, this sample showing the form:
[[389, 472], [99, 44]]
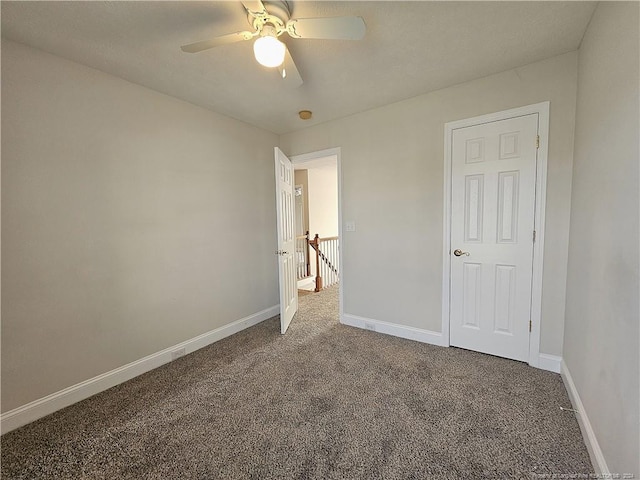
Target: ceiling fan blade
[[255, 7], [289, 72], [217, 41], [336, 28]]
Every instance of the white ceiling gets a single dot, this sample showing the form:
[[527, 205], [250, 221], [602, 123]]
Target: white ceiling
[[410, 48]]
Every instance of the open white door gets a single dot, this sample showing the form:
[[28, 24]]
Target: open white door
[[286, 239], [492, 235]]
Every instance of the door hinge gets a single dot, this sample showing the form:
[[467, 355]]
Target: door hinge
[[529, 325], [534, 236], [537, 141]]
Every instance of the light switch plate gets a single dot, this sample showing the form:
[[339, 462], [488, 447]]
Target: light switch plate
[[350, 226]]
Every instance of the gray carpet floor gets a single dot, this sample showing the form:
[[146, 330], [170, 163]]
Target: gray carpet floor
[[325, 401]]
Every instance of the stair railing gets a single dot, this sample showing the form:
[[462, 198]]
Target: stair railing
[[303, 265], [327, 253]]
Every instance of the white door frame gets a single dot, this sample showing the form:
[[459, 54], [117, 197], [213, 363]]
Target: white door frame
[[542, 109], [309, 157]]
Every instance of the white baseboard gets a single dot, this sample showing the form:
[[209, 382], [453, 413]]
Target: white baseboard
[[595, 452], [44, 406], [306, 281], [548, 362], [545, 361], [402, 331]]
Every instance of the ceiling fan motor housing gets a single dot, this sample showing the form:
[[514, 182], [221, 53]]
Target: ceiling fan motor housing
[[277, 14]]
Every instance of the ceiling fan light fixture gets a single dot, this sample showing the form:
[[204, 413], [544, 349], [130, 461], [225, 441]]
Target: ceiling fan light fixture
[[268, 50]]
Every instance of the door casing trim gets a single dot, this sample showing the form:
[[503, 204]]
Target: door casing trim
[[542, 109]]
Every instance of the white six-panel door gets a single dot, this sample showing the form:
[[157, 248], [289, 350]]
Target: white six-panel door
[[285, 209], [493, 178]]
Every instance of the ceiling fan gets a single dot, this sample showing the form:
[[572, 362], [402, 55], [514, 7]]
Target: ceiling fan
[[270, 20]]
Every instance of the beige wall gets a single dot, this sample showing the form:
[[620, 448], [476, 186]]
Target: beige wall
[[392, 174], [601, 335], [122, 225], [323, 200], [301, 177]]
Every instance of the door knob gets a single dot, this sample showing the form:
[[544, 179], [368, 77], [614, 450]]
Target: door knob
[[459, 253]]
